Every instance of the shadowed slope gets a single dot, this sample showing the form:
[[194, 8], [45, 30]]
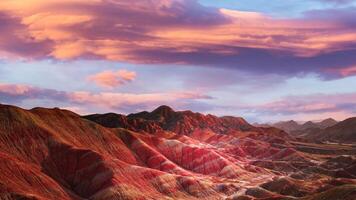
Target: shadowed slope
[[80, 159], [297, 129], [344, 132]]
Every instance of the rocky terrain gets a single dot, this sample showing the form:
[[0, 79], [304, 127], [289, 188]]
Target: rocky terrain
[[326, 131], [296, 128], [342, 132], [165, 154]]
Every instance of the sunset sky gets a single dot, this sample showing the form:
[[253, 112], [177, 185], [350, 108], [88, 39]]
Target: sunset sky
[[262, 60]]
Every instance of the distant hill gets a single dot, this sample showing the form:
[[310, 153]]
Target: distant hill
[[344, 132], [295, 128], [287, 126], [327, 123]]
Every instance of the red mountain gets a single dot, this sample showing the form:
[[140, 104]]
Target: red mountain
[[163, 154], [165, 118]]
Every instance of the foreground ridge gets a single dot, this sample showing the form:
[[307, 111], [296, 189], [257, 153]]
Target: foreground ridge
[[163, 154]]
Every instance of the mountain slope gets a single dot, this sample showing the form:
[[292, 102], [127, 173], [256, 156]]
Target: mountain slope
[[297, 129], [327, 123], [57, 154], [344, 131], [165, 118], [287, 126]]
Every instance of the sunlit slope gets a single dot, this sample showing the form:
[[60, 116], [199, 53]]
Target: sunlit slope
[[164, 154]]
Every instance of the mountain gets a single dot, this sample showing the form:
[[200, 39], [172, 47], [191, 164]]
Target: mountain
[[327, 123], [295, 128], [184, 122], [307, 125], [164, 119], [344, 132], [163, 154], [287, 126]]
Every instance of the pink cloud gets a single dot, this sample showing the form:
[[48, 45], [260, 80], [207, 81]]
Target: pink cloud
[[118, 100], [315, 106], [111, 79], [85, 101], [311, 104], [13, 89], [349, 71], [298, 106], [20, 92], [126, 75], [175, 31], [342, 71]]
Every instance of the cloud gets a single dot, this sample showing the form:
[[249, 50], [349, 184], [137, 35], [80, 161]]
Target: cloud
[[111, 79], [136, 102], [306, 104], [303, 107], [103, 101], [180, 32], [349, 71], [14, 93], [315, 106], [15, 43], [342, 72]]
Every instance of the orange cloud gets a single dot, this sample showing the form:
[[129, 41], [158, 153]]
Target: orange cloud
[[111, 79], [126, 75], [171, 31], [65, 22], [117, 100]]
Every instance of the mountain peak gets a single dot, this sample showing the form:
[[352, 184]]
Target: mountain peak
[[309, 123], [329, 120], [163, 110], [290, 122], [287, 126]]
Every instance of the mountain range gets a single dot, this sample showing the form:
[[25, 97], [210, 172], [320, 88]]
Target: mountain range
[[292, 126], [328, 130], [344, 131], [166, 154]]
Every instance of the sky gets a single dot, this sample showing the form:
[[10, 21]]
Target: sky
[[264, 61]]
